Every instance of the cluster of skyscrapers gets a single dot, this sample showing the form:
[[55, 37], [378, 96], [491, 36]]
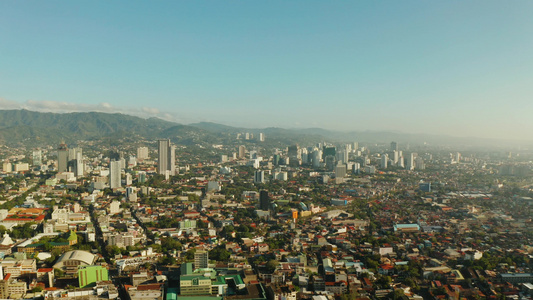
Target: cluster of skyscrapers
[[396, 158], [70, 161]]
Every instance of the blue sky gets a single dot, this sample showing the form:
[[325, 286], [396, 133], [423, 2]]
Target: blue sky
[[462, 68]]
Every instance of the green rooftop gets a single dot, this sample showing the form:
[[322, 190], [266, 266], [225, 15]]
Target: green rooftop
[[73, 236], [186, 269], [172, 294]]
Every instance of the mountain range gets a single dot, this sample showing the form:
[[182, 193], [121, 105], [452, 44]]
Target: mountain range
[[31, 128]]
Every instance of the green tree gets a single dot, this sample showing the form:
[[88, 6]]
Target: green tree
[[219, 254], [189, 255], [271, 265]]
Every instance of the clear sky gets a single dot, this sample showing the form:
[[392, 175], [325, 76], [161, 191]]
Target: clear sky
[[462, 68]]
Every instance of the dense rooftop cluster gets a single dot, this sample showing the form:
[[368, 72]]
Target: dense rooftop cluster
[[250, 221]]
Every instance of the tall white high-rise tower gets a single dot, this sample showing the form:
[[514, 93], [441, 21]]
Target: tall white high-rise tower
[[166, 154]]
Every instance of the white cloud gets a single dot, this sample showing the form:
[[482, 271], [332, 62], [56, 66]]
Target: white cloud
[[150, 110], [67, 107], [7, 104]]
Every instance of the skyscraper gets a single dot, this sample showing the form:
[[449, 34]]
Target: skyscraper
[[114, 174], [79, 165], [37, 158], [410, 162], [142, 152], [384, 161], [166, 154], [242, 151], [331, 150], [394, 146], [259, 176], [340, 170], [395, 156], [315, 157], [62, 158], [264, 200]]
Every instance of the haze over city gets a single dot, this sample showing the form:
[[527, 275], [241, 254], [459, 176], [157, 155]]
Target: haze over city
[[455, 68], [266, 150]]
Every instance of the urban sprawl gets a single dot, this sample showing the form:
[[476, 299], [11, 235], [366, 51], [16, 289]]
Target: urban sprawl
[[246, 221]]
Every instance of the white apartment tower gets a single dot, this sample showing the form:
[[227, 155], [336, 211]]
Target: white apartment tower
[[384, 161], [166, 158], [410, 162], [114, 174], [37, 156], [142, 153]]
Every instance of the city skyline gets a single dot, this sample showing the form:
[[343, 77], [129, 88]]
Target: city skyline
[[454, 68]]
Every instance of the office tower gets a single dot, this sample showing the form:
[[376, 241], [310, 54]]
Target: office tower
[[261, 137], [141, 176], [305, 156], [73, 153], [293, 152], [401, 162], [384, 161], [356, 168], [201, 259], [79, 166], [315, 158], [114, 174], [340, 170], [62, 158], [355, 146], [348, 148], [166, 154], [275, 159], [410, 162], [394, 146], [342, 156], [419, 163], [242, 151], [37, 158], [330, 162], [395, 156], [264, 200], [142, 153], [259, 176], [331, 150]]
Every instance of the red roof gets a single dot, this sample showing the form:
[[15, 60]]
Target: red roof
[[148, 287], [45, 270]]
